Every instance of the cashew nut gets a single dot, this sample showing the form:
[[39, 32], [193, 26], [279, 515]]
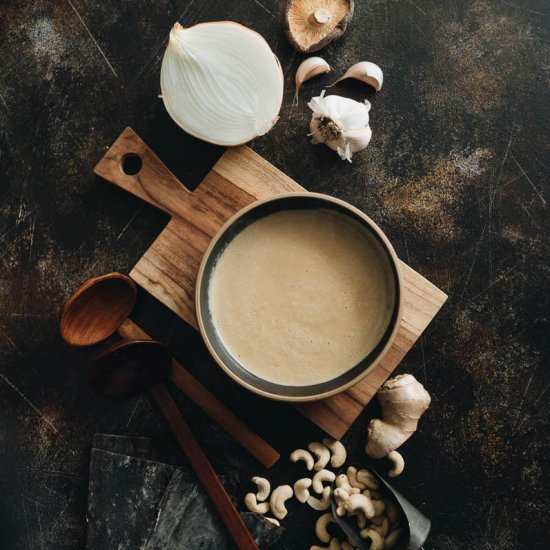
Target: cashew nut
[[301, 489], [379, 507], [377, 520], [254, 506], [361, 519], [264, 488], [278, 498], [320, 504], [393, 537], [338, 451], [377, 542], [367, 478], [322, 454], [302, 454], [274, 521], [391, 511], [360, 502], [381, 529], [340, 496], [319, 477], [352, 478], [398, 464], [321, 527], [342, 482]]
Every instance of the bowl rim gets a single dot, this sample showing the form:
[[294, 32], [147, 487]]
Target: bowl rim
[[399, 292]]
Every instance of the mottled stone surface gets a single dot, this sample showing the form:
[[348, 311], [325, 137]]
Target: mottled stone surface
[[135, 502], [456, 174], [123, 498]]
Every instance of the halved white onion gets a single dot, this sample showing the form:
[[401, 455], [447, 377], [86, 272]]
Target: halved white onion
[[221, 82]]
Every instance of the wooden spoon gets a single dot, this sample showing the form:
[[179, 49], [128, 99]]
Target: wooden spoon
[[210, 404], [97, 309], [101, 306], [128, 368]]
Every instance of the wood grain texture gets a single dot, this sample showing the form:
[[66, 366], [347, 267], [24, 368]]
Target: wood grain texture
[[97, 308], [203, 469], [168, 269], [210, 404]]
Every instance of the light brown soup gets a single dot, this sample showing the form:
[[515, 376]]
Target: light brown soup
[[299, 297]]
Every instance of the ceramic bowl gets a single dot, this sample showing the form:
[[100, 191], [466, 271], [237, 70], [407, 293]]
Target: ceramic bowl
[[222, 355]]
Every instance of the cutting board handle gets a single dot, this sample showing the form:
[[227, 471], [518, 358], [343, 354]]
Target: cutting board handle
[[130, 164]]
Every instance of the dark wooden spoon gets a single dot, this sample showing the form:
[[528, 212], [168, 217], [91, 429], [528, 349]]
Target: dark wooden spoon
[[96, 310], [128, 368]]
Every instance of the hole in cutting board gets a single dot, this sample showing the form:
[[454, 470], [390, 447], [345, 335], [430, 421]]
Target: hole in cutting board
[[131, 164]]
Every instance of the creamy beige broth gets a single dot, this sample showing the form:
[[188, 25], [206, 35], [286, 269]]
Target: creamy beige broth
[[300, 297]]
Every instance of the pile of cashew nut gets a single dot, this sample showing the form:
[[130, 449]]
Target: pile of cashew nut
[[357, 494]]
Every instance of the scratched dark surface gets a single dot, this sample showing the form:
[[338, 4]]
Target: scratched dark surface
[[456, 174]]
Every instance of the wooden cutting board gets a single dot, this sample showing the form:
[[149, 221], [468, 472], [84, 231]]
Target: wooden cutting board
[[169, 268]]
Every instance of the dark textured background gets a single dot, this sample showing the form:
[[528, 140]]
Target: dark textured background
[[456, 174]]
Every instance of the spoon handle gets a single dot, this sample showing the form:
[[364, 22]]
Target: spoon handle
[[232, 424], [210, 404], [203, 469]]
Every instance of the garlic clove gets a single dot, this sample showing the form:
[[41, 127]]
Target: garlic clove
[[310, 67], [355, 116], [358, 139], [367, 72]]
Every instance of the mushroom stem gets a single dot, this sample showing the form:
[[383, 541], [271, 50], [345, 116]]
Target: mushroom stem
[[321, 16]]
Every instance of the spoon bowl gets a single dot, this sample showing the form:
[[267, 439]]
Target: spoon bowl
[[129, 368], [96, 310]]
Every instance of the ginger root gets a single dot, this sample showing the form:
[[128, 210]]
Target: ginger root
[[403, 400]]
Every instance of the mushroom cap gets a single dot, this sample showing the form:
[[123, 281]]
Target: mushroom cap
[[312, 24]]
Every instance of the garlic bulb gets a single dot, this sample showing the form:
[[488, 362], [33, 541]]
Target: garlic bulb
[[340, 123], [310, 67], [221, 82]]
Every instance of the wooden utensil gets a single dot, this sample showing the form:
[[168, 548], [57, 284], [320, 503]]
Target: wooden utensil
[[125, 369], [101, 305], [168, 270], [121, 372], [97, 309], [211, 405]]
